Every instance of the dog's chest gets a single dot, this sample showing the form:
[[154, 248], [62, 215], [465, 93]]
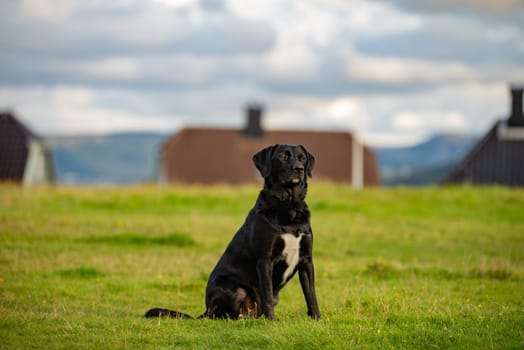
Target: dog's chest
[[290, 253]]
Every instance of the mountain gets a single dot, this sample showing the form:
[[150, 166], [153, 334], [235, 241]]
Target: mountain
[[131, 157], [105, 159], [425, 163]]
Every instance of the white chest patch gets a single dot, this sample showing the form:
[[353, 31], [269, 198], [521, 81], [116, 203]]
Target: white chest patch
[[290, 253]]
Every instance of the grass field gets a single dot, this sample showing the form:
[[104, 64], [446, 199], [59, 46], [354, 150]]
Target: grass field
[[396, 268]]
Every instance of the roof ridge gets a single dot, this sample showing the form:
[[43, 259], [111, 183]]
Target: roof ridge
[[10, 117]]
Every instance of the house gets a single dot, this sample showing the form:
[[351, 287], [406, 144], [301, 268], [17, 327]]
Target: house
[[498, 158], [23, 156], [214, 155]]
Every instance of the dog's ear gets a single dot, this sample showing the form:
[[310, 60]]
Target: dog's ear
[[262, 160], [310, 161]]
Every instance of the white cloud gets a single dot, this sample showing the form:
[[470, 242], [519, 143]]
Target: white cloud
[[445, 121], [179, 69], [396, 70], [325, 113], [162, 28], [111, 68], [382, 119], [374, 18], [407, 121], [407, 118], [179, 4], [290, 63], [347, 110], [253, 9], [66, 109], [391, 71], [44, 11], [481, 6], [342, 107]]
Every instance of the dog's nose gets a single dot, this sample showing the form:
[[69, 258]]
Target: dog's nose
[[298, 167]]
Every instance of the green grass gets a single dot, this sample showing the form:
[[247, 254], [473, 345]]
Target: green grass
[[396, 268]]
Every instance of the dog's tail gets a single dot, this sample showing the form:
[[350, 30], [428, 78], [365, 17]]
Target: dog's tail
[[159, 312]]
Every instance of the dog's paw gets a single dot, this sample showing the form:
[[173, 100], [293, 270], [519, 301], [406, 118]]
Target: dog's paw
[[315, 315], [270, 316]]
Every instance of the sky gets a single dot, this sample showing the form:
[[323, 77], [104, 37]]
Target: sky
[[393, 72]]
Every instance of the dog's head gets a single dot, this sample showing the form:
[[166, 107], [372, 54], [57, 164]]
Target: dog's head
[[288, 165]]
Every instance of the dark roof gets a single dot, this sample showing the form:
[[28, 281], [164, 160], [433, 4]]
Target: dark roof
[[14, 138], [493, 160], [225, 155]]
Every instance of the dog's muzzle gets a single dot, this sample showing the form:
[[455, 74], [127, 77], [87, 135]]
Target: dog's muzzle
[[296, 177]]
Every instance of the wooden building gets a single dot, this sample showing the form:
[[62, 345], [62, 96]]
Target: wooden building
[[498, 158], [214, 155], [23, 156]]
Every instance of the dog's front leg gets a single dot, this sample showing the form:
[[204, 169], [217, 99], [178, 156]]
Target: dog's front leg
[[265, 281], [306, 274]]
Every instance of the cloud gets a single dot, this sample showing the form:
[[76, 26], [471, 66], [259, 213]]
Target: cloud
[[468, 107], [293, 47], [500, 7], [295, 63], [456, 39], [76, 110], [180, 4], [379, 119], [449, 121], [343, 113], [143, 28], [343, 107], [407, 71], [41, 11], [388, 70]]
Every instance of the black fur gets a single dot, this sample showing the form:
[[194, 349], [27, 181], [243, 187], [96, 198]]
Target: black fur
[[249, 276], [159, 312]]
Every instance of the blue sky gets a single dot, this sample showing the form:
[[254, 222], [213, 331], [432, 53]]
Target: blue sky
[[394, 72]]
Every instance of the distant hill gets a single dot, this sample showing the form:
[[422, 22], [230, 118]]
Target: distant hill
[[425, 163], [122, 158], [105, 159]]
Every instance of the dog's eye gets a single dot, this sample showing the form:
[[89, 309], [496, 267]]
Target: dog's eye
[[285, 155], [301, 158]]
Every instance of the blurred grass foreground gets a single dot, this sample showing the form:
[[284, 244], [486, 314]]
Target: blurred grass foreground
[[396, 268]]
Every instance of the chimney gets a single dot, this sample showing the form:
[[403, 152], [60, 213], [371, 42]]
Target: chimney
[[516, 118], [254, 118]]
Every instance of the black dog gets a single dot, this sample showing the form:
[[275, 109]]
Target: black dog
[[274, 242]]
